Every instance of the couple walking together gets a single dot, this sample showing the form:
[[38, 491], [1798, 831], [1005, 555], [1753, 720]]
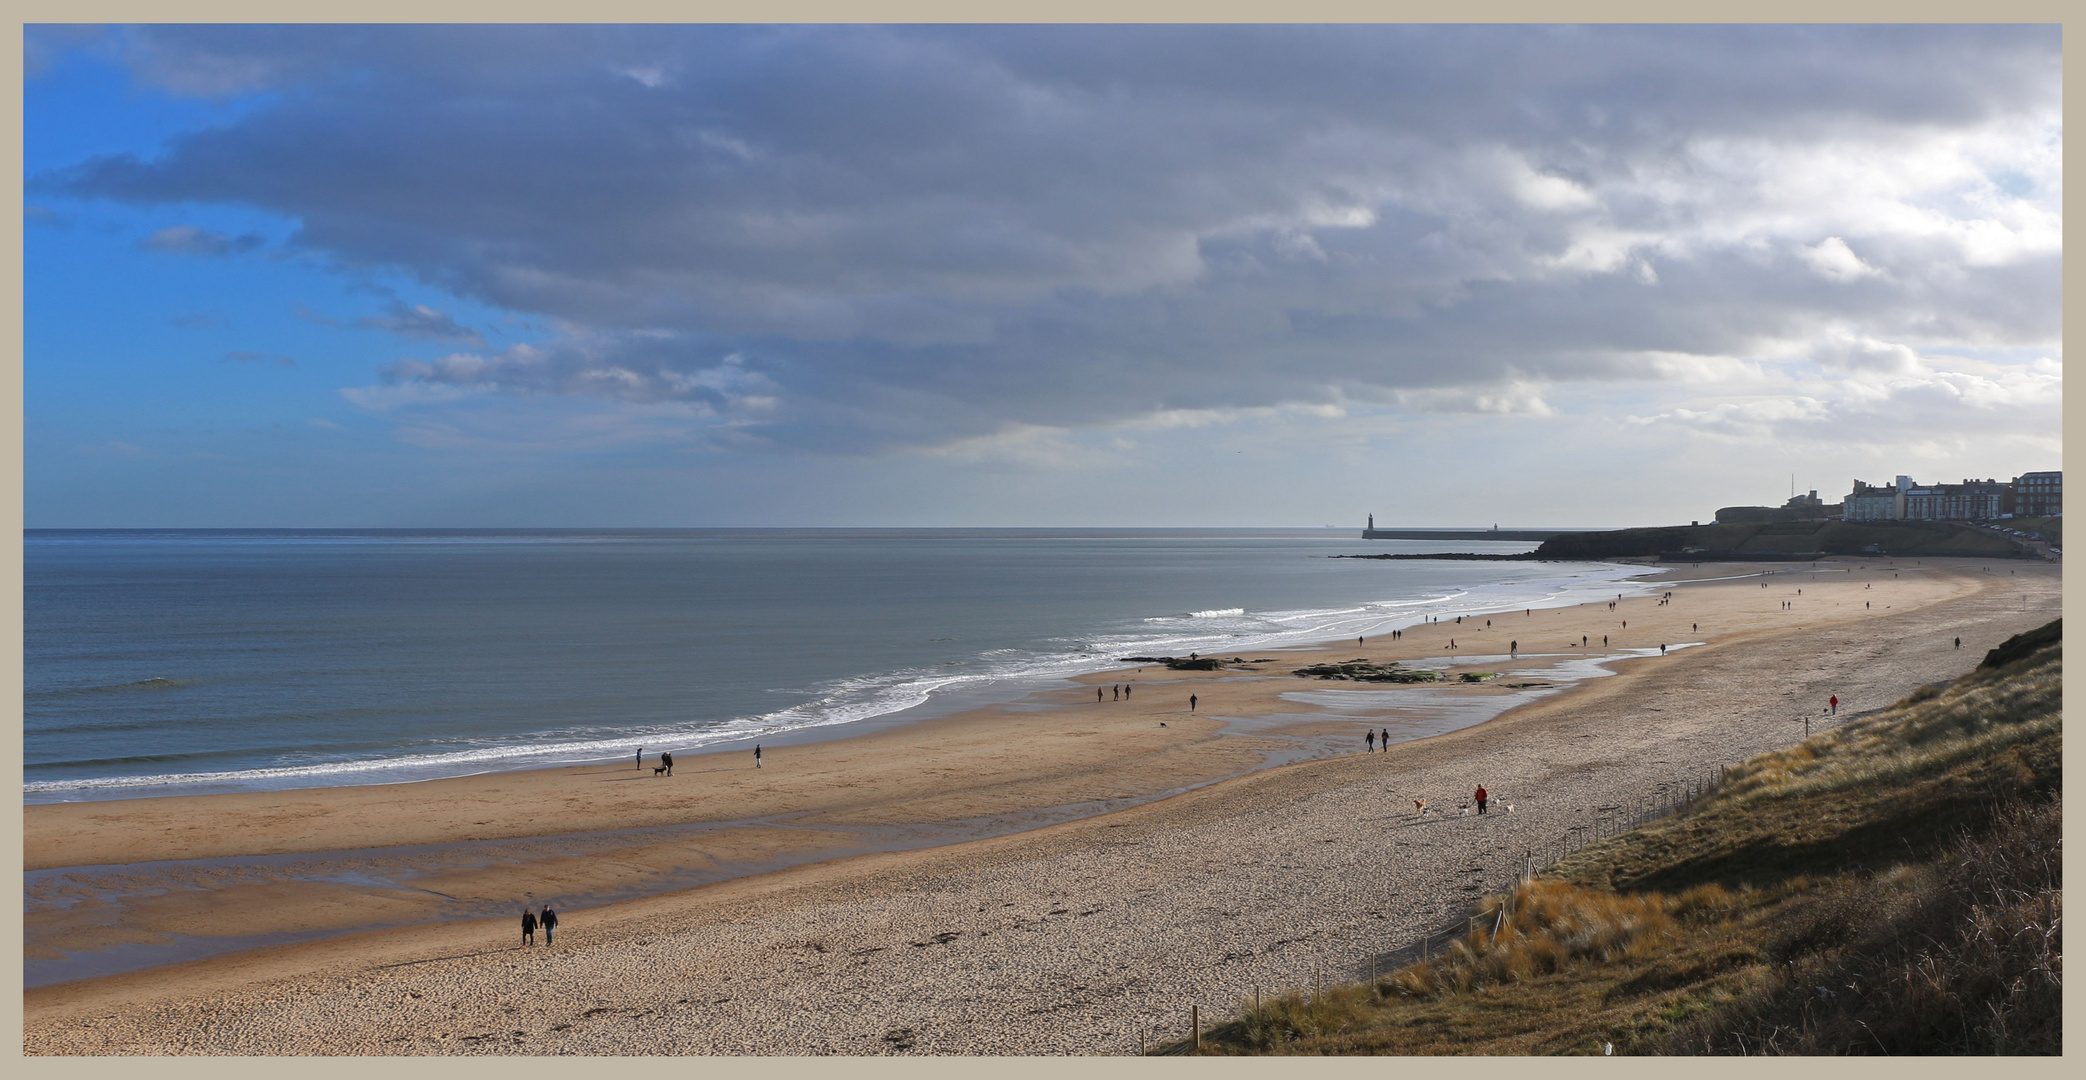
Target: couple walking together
[[530, 922]]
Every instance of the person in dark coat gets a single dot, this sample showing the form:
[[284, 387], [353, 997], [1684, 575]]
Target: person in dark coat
[[550, 923], [528, 928], [664, 759]]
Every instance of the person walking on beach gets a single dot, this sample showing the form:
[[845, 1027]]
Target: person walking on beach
[[1481, 797], [1191, 702], [756, 755], [550, 924], [528, 928], [1097, 693], [640, 758], [1662, 648], [664, 759], [1387, 740], [1369, 736], [1514, 649], [1834, 704], [1959, 643]]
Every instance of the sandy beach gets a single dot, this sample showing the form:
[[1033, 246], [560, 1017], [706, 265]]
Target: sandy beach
[[1130, 858]]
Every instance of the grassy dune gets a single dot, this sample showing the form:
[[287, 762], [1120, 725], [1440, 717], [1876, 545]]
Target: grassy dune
[[1892, 886]]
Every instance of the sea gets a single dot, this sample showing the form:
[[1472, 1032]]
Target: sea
[[162, 662]]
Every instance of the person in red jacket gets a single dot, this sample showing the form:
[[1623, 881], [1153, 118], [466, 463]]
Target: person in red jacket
[[1481, 798]]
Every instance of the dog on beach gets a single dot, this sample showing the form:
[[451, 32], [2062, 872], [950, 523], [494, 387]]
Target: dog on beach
[[1463, 810], [1420, 805], [657, 771]]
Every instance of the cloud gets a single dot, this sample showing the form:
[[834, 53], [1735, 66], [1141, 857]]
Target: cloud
[[244, 356], [844, 239], [43, 44], [1844, 351], [1515, 399], [458, 418], [199, 320], [116, 449], [419, 321], [191, 240], [1833, 259], [1948, 412]]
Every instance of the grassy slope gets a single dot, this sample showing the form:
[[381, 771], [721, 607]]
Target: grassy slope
[[1909, 538], [1890, 886]]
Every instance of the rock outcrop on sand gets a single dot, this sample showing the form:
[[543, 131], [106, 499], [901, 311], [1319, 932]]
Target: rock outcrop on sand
[[1364, 671]]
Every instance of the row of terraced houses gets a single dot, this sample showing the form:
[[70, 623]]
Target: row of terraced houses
[[2035, 494]]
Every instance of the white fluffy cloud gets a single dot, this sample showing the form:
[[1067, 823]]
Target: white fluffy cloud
[[1934, 411]]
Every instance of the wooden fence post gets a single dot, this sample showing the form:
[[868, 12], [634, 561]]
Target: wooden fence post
[[1195, 1020]]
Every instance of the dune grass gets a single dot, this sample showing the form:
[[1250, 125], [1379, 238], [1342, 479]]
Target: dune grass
[[1893, 886]]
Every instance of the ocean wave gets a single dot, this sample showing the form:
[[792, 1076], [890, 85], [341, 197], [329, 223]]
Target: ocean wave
[[869, 697]]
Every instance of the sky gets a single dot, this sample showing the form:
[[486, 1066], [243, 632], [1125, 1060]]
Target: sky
[[570, 276]]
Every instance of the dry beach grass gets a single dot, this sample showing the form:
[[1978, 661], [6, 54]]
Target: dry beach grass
[[1890, 887]]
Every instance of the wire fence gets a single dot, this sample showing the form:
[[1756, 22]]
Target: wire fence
[[1667, 797]]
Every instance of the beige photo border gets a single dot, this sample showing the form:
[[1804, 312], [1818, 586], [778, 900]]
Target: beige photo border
[[888, 11]]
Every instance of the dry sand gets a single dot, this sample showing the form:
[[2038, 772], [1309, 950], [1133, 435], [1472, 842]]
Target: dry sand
[[1070, 938]]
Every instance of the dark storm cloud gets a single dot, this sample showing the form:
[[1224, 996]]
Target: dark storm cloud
[[850, 237]]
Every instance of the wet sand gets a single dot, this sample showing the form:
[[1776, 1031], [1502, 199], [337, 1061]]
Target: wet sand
[[495, 840]]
